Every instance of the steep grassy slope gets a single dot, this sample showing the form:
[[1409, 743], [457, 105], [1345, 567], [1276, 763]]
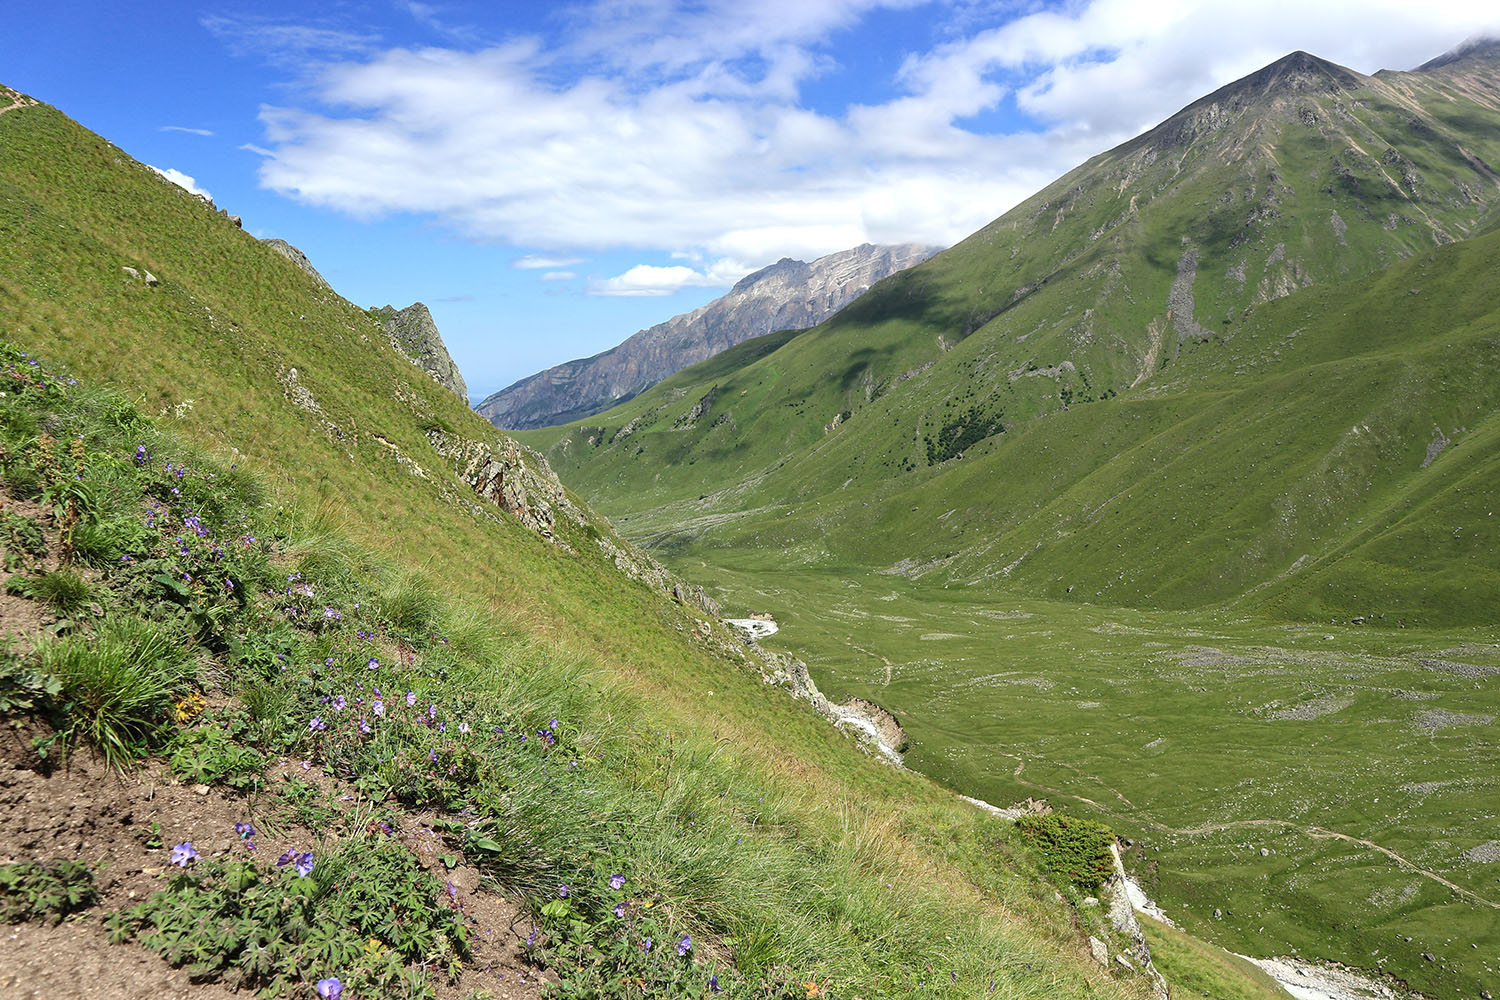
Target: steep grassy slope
[[1123, 303], [241, 353]]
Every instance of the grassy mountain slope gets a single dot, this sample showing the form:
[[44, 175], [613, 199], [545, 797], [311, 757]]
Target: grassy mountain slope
[[885, 882], [1125, 299]]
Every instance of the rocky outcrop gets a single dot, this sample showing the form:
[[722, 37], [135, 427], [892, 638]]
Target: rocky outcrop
[[297, 257], [788, 295], [874, 726], [414, 334], [512, 477], [519, 481]]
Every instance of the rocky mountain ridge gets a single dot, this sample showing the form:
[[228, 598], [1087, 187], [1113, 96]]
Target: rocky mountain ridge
[[789, 294], [414, 333]]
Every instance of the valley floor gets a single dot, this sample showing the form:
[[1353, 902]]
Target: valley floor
[[1326, 792]]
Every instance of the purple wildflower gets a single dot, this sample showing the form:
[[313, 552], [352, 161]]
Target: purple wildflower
[[378, 706], [432, 756], [373, 663], [713, 984], [684, 946], [617, 881], [316, 725], [431, 711], [531, 938], [330, 988], [411, 698], [245, 830], [286, 859], [183, 853], [562, 892], [552, 725], [364, 727], [619, 909], [339, 702], [463, 727], [304, 864], [646, 945]]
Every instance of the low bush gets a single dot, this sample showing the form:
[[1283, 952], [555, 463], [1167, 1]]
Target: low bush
[[1073, 850]]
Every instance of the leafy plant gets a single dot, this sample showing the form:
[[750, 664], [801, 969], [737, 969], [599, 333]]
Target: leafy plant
[[33, 890], [211, 755], [24, 542], [364, 915]]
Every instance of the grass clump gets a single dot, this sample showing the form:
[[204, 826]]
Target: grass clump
[[1075, 851], [65, 592], [35, 890], [116, 690]]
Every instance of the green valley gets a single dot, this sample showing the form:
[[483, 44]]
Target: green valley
[[1169, 496]]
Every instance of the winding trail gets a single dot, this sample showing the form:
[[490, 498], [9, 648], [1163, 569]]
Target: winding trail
[[1311, 831], [889, 666]]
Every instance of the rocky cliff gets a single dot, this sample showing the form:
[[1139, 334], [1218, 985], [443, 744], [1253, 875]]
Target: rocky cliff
[[787, 295], [413, 333]]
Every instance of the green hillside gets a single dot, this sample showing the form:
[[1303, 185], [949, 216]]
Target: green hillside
[[795, 861], [1170, 494]]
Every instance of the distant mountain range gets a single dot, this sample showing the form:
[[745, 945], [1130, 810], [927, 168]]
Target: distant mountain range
[[789, 294], [1021, 378]]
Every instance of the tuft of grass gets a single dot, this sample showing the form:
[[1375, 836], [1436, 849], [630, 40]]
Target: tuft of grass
[[116, 689], [64, 591]]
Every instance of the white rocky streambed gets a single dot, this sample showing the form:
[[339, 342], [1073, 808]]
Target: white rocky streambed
[[1303, 980]]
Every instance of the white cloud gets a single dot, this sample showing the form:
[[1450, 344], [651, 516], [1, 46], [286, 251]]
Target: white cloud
[[670, 127], [538, 262], [183, 181], [183, 128], [257, 150], [559, 276]]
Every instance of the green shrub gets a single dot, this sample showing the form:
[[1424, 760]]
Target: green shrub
[[116, 689], [31, 890], [1073, 850]]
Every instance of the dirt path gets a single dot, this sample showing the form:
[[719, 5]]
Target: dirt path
[[889, 666], [1314, 832], [17, 100]]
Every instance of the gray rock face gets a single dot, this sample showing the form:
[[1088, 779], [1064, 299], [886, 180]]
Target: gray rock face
[[297, 257], [788, 295], [414, 334]]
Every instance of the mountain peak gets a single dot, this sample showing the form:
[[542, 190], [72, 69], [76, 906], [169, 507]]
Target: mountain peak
[[1485, 47], [1297, 72]]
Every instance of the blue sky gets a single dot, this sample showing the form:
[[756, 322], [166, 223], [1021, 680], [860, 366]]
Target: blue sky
[[551, 177]]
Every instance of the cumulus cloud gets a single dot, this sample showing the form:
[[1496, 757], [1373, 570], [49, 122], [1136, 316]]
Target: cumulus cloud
[[648, 279], [183, 181], [667, 126]]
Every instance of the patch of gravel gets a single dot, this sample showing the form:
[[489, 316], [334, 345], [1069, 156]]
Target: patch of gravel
[[1461, 669], [1427, 787], [1434, 719], [1484, 853], [1418, 695], [931, 636], [1326, 705]]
